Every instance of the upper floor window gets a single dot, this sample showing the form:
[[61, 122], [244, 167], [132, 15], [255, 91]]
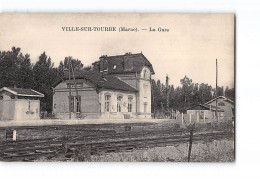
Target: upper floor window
[[146, 74], [128, 64], [105, 65], [107, 103]]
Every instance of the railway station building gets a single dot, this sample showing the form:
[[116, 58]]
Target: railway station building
[[19, 104], [117, 87]]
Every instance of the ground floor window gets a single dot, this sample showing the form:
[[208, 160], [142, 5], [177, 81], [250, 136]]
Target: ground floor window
[[119, 101], [107, 103], [130, 104]]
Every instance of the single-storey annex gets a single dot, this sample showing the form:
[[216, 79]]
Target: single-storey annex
[[204, 112], [19, 104], [223, 103]]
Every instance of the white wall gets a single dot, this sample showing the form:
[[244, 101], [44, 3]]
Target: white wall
[[113, 106], [144, 95]]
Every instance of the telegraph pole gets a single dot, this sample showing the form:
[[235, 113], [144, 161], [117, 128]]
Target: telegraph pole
[[75, 84], [217, 89], [69, 93], [167, 92]]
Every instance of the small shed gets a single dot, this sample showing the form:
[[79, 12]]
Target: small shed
[[204, 110], [19, 104], [223, 103]]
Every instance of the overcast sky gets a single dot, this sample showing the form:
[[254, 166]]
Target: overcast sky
[[191, 46]]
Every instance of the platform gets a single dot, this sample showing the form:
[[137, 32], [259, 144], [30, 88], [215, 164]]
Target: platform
[[47, 122]]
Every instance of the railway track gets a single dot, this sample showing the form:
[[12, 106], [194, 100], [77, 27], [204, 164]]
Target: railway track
[[30, 150]]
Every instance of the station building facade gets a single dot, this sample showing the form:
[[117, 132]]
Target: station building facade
[[117, 87]]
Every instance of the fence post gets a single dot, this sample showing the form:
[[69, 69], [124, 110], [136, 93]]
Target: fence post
[[182, 118], [190, 141], [14, 135], [190, 118]]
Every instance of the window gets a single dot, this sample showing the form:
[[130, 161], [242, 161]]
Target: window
[[72, 85], [146, 74], [221, 104], [12, 96], [78, 103], [130, 104], [71, 101], [23, 97], [1, 97], [128, 64], [145, 107], [119, 102], [105, 65], [107, 103]]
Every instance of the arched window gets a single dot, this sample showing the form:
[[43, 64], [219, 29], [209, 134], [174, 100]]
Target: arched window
[[146, 74], [130, 103], [119, 103], [107, 103]]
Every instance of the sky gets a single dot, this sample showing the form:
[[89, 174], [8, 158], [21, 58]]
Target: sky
[[190, 47]]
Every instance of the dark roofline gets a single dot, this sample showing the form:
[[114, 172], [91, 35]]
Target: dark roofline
[[152, 71], [197, 105], [15, 92], [83, 76], [223, 97], [208, 108], [132, 54]]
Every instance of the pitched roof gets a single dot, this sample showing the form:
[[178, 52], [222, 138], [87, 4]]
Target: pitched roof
[[116, 63], [103, 82], [22, 92], [204, 107], [220, 97]]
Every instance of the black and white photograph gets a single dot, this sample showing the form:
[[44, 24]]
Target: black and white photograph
[[117, 87]]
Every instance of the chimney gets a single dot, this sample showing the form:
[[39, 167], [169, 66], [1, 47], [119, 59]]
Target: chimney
[[103, 65]]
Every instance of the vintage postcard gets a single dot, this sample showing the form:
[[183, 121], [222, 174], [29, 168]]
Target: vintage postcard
[[117, 87]]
